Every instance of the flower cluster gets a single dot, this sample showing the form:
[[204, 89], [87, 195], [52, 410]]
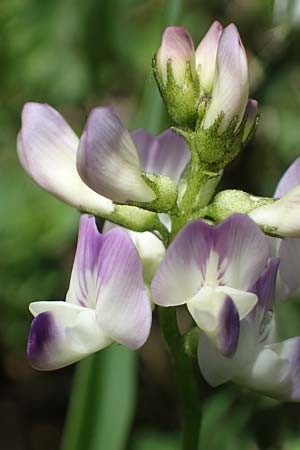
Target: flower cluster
[[163, 238]]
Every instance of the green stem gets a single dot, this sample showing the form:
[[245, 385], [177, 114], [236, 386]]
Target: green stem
[[185, 380], [76, 433]]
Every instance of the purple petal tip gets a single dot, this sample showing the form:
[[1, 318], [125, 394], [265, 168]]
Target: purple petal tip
[[229, 324], [42, 333]]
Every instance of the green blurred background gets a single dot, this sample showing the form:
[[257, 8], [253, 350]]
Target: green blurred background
[[75, 55]]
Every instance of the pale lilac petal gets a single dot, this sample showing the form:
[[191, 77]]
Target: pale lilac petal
[[231, 85], [62, 334], [289, 180], [177, 46], [281, 216], [107, 160], [206, 54], [84, 279], [289, 268], [243, 251], [181, 273], [123, 308], [229, 328], [47, 149], [149, 247], [167, 154], [231, 254]]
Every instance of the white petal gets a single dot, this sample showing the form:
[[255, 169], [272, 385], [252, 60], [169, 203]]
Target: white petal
[[47, 149], [282, 216], [244, 301], [62, 333], [218, 369]]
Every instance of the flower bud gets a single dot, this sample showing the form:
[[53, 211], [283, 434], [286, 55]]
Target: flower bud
[[231, 85], [178, 48], [175, 73], [206, 54]]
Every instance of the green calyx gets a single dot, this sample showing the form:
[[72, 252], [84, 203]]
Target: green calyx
[[181, 101], [215, 150], [234, 201], [165, 190]]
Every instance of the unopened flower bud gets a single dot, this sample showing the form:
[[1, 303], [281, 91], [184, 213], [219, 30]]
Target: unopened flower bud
[[206, 54], [175, 73], [231, 85], [177, 48]]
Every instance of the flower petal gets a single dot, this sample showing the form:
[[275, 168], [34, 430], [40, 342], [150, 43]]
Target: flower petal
[[289, 254], [83, 289], [149, 247], [181, 273], [264, 289], [62, 333], [47, 149], [206, 54], [243, 301], [232, 254], [243, 251], [282, 216], [123, 308], [231, 85], [229, 328], [218, 369], [290, 350], [276, 371], [289, 180], [107, 160], [167, 154]]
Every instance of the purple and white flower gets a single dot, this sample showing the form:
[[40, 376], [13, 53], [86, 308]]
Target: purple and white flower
[[260, 362], [167, 155], [106, 302], [211, 269]]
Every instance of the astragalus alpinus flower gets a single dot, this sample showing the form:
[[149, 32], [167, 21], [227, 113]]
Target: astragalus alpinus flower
[[106, 302], [211, 269], [261, 362]]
